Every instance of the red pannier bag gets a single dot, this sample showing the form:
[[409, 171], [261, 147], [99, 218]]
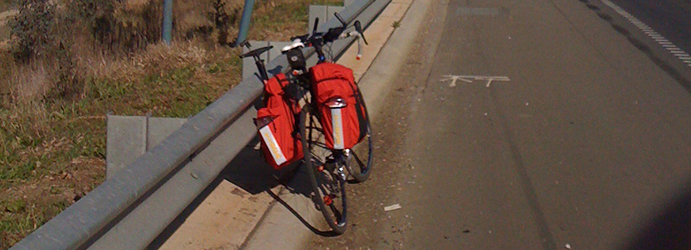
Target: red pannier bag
[[342, 111], [276, 125]]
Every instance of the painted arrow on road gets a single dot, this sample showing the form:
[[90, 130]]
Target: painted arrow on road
[[470, 79]]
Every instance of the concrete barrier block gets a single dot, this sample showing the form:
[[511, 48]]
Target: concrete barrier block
[[125, 141], [315, 11], [330, 10], [129, 137], [159, 128], [323, 12]]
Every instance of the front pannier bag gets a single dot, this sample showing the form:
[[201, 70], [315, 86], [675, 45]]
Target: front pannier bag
[[342, 113], [276, 124]]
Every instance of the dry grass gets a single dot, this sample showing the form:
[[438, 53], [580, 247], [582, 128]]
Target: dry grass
[[4, 31], [5, 5], [30, 83], [53, 150]]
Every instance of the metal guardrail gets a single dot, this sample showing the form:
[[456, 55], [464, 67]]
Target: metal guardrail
[[131, 209]]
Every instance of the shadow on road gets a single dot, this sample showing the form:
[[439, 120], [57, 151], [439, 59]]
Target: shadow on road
[[249, 172], [301, 218], [670, 229]]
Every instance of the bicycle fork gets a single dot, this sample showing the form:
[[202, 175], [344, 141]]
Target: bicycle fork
[[338, 164]]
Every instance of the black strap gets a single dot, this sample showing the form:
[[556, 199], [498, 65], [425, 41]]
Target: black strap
[[360, 110]]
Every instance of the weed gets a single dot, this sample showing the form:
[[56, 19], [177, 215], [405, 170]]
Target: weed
[[15, 206], [396, 24], [19, 217]]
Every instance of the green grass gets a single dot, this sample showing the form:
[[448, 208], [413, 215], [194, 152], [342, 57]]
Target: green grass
[[18, 218]]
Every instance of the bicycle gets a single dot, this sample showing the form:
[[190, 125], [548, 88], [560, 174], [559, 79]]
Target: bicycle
[[329, 169]]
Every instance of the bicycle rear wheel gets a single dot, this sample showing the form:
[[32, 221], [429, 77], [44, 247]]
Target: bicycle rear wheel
[[359, 158], [325, 170]]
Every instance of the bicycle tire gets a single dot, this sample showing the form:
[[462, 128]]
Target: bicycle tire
[[360, 170], [328, 189]]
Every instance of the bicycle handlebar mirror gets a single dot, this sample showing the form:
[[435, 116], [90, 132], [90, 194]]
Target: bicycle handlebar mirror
[[358, 28], [340, 19]]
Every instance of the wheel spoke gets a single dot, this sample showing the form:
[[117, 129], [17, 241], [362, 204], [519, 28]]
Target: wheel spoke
[[319, 144]]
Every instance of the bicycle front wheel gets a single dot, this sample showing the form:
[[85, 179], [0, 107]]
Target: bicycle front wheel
[[325, 171]]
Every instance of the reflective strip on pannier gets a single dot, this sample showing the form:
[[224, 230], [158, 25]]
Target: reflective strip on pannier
[[337, 121], [273, 147]]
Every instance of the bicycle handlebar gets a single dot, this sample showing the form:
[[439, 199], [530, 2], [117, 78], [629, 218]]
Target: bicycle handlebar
[[257, 52], [319, 39]]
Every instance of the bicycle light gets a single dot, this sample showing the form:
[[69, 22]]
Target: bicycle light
[[336, 104]]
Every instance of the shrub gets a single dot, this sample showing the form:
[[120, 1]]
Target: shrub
[[32, 29]]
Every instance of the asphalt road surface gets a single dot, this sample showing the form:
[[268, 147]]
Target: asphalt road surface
[[541, 124]]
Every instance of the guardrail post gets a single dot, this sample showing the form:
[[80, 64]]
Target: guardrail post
[[167, 21], [245, 22]]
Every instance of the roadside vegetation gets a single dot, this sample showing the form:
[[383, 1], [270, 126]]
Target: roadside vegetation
[[70, 62], [6, 5]]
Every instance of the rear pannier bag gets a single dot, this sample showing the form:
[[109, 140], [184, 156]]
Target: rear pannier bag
[[342, 111], [276, 124]]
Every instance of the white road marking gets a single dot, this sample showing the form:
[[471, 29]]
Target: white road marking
[[650, 32], [470, 79]]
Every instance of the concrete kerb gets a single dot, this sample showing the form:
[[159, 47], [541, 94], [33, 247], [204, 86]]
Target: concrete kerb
[[283, 225], [376, 81]]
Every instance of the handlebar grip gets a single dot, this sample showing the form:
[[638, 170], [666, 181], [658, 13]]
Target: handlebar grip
[[358, 27]]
